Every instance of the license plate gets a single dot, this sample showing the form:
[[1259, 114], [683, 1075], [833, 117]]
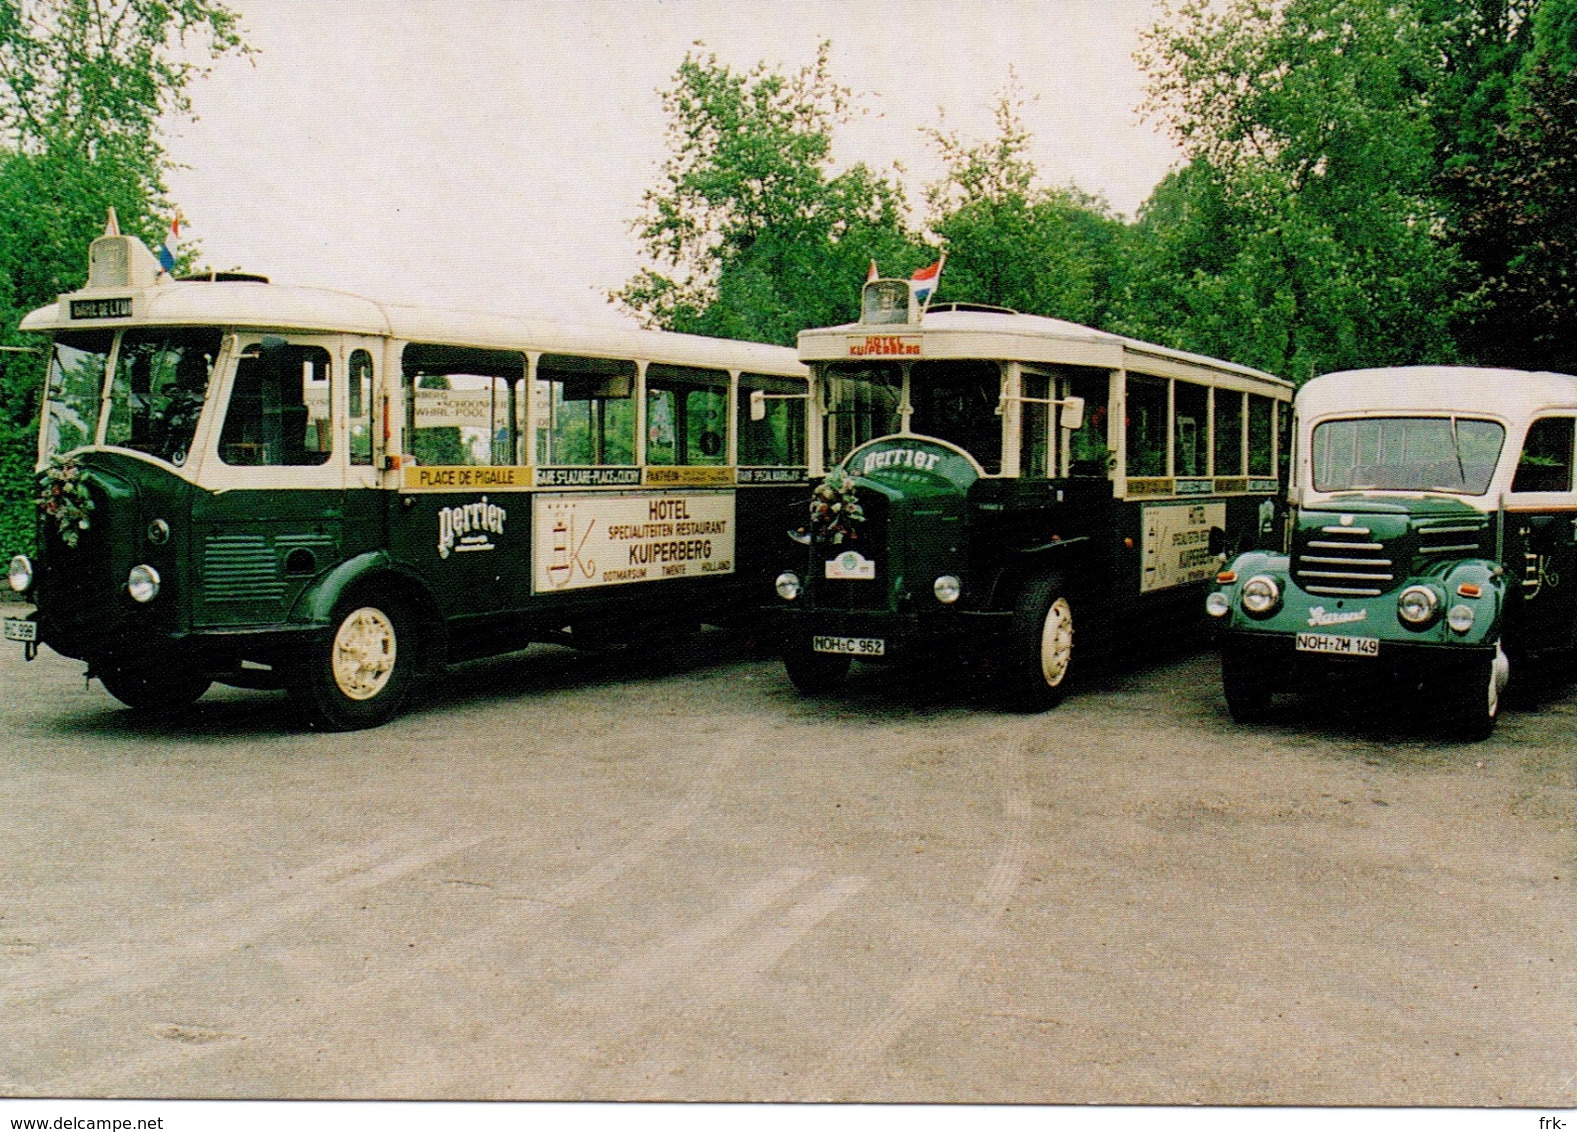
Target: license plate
[[1335, 645], [17, 629], [850, 646]]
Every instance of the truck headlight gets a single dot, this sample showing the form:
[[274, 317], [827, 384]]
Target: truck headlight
[[21, 575], [1261, 595], [1460, 618], [947, 588], [143, 584], [1217, 604], [787, 585], [1416, 605]]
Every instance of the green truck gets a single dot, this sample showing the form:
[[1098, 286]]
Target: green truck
[[1432, 542]]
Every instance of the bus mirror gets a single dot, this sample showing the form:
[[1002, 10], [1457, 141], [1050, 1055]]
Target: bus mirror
[[758, 405], [1072, 413]]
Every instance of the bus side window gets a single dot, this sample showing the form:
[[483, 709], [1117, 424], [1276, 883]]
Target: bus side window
[[460, 404], [1261, 434], [1147, 426], [279, 412], [778, 438], [359, 406], [1088, 451], [591, 410], [686, 416], [1035, 459], [1546, 460], [1229, 433], [1190, 425]]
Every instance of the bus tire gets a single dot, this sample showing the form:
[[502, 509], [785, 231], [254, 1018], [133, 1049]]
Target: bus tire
[[153, 687], [1246, 685], [1040, 645], [362, 672], [813, 673], [1472, 697]]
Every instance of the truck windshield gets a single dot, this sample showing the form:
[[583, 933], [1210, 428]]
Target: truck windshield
[[76, 385], [1452, 454], [161, 379], [862, 404]]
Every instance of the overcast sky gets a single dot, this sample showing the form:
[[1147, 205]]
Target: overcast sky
[[491, 154]]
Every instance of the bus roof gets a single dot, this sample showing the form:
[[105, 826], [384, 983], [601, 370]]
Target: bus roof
[[1009, 336], [1512, 394], [269, 306]]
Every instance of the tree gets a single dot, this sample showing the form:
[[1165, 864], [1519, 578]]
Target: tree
[[1039, 250], [749, 224], [1517, 210], [1307, 127], [84, 88]]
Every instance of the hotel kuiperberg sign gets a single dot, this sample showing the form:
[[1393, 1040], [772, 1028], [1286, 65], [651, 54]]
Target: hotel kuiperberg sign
[[602, 539], [1177, 544]]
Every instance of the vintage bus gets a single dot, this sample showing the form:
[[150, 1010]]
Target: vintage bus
[[1433, 542], [270, 486], [1010, 485]]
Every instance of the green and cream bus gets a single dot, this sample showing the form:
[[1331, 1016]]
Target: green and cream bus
[[1010, 486], [271, 486], [1433, 542]]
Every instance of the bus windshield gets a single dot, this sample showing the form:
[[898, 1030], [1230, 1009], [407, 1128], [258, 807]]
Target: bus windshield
[[1406, 454], [161, 379], [76, 385], [958, 402]]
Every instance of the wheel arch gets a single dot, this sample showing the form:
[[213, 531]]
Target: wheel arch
[[374, 571]]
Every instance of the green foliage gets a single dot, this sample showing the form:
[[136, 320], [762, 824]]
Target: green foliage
[[1305, 224], [1047, 251], [749, 223]]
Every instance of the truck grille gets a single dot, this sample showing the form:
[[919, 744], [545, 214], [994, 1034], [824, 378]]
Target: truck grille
[[874, 539], [1347, 561]]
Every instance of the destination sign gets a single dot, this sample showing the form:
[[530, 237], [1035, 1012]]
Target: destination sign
[[100, 308], [588, 477], [773, 475], [884, 346]]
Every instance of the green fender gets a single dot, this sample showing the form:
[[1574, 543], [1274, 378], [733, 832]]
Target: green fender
[[316, 604]]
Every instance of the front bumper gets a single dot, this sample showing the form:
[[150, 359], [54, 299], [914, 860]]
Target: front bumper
[[904, 633], [1277, 654]]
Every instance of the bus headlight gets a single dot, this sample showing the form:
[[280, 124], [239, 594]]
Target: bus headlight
[[787, 585], [143, 584], [1261, 595], [947, 588], [1416, 605], [21, 576], [1217, 604], [1460, 618]]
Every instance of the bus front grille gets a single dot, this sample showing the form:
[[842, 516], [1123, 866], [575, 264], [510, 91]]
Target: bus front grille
[[1342, 561]]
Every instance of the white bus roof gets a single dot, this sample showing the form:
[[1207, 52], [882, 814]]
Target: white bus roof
[[1008, 336], [270, 306], [1508, 393]]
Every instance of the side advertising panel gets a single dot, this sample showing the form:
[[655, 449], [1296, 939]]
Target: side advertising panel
[[603, 539], [1177, 544]]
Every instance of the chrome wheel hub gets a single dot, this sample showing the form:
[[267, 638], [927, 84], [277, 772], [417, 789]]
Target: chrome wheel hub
[[364, 652]]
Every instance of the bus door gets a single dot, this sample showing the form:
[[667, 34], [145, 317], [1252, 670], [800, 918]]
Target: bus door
[[1542, 507], [362, 361], [461, 520], [275, 516]]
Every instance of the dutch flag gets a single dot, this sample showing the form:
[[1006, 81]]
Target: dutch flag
[[923, 282], [167, 249]]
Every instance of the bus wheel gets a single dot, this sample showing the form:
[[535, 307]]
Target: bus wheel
[[813, 673], [1040, 646], [1246, 685], [155, 687], [362, 673], [1472, 698]]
